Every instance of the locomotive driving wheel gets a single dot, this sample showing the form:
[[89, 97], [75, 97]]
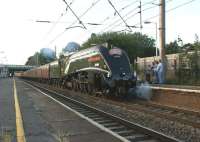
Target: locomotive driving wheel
[[75, 88], [120, 91], [90, 88]]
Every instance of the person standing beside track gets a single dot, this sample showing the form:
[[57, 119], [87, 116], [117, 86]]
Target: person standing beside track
[[154, 72], [148, 74], [160, 72]]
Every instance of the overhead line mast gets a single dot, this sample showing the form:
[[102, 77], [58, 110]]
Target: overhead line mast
[[140, 15], [113, 24], [162, 29], [162, 34], [169, 10]]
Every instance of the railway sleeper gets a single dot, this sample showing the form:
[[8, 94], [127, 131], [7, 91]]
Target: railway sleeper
[[137, 137], [103, 121], [111, 124], [148, 140], [94, 116], [81, 110], [125, 132], [100, 119], [117, 128], [88, 113]]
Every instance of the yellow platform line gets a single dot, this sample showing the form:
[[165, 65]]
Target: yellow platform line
[[19, 122]]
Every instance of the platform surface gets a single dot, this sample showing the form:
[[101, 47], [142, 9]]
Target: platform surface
[[44, 120], [7, 111]]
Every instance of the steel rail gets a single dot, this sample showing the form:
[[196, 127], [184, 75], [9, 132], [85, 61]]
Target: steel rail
[[121, 127]]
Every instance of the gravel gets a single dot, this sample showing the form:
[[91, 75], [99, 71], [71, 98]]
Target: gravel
[[175, 129]]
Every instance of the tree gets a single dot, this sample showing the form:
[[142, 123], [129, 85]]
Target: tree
[[172, 48], [41, 58], [70, 47], [189, 63], [33, 60], [135, 44]]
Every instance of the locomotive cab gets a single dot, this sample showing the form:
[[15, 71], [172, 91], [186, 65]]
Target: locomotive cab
[[121, 77]]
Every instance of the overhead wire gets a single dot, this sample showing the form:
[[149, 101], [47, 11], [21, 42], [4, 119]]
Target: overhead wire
[[53, 26], [116, 21], [123, 8], [176, 7], [78, 18], [127, 14], [169, 10], [183, 4], [60, 34], [119, 14], [128, 5], [80, 22], [57, 21], [86, 11], [131, 16]]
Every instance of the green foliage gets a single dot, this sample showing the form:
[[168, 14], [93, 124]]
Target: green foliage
[[175, 47], [189, 64], [194, 60], [38, 59], [172, 48], [33, 60], [135, 44]]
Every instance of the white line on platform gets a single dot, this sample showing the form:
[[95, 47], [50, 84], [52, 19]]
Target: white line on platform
[[82, 116], [176, 89]]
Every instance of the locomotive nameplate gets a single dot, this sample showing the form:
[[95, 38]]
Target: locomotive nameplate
[[115, 51]]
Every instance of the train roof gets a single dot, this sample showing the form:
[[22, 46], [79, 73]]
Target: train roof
[[94, 49]]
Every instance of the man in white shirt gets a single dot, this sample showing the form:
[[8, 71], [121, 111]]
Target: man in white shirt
[[160, 71]]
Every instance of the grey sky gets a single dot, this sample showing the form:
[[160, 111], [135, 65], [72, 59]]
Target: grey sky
[[21, 36]]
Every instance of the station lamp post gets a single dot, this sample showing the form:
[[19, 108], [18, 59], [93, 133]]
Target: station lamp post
[[156, 26]]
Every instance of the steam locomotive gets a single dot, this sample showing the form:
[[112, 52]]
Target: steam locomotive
[[96, 69]]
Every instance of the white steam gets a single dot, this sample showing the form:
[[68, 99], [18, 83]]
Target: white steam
[[144, 91]]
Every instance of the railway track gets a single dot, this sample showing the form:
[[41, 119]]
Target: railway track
[[184, 116], [181, 115], [187, 117], [125, 130]]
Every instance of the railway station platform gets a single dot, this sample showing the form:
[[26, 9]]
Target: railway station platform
[[28, 115], [180, 96]]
